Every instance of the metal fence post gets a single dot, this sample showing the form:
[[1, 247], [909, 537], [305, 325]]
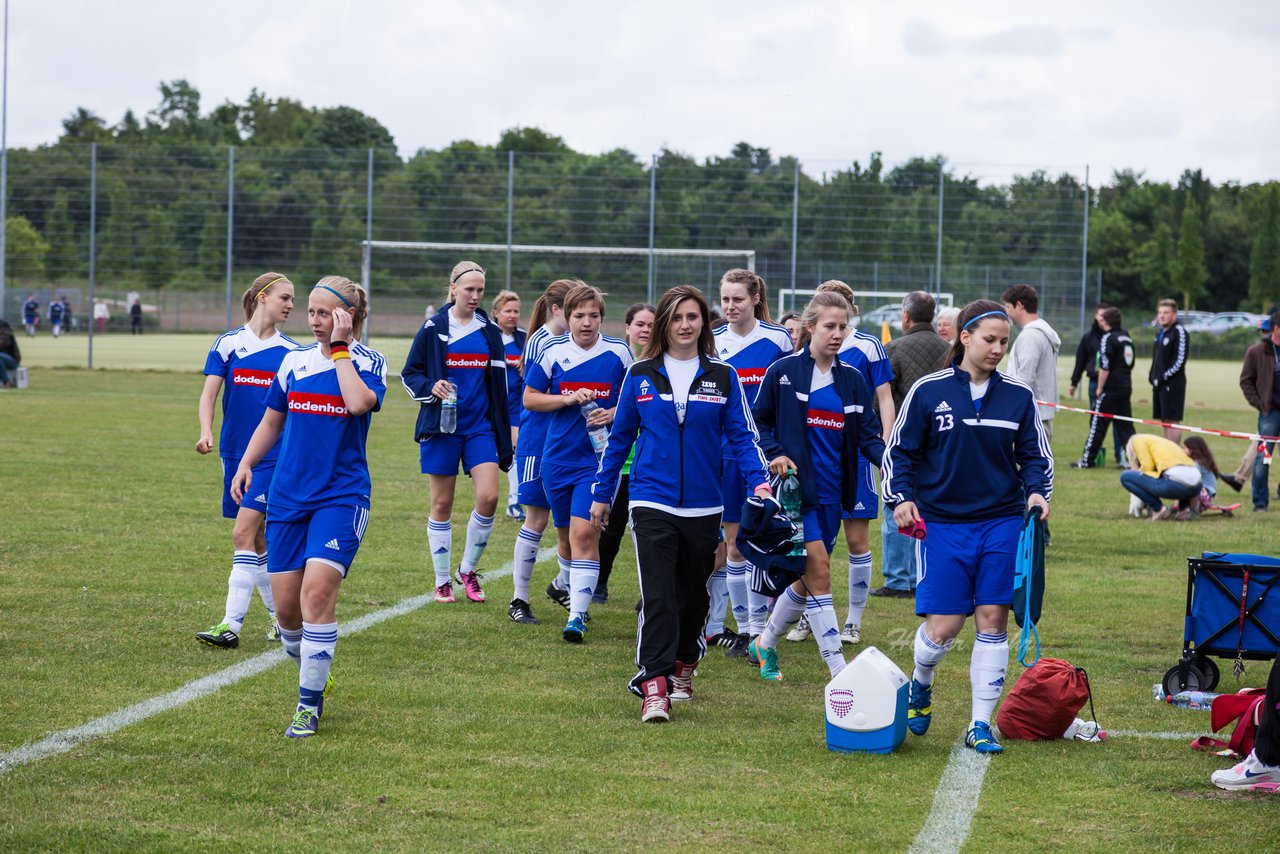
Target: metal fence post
[[511, 201], [366, 260], [4, 164], [93, 239], [1084, 250], [937, 279], [795, 226], [653, 197], [231, 219]]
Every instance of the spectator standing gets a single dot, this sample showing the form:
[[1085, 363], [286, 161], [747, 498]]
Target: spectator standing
[[1087, 365], [1033, 358], [1115, 388], [917, 352], [1169, 368], [946, 323], [1260, 382], [101, 314], [57, 315], [135, 316]]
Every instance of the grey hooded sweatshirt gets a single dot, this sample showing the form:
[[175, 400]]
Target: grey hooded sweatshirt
[[1033, 359]]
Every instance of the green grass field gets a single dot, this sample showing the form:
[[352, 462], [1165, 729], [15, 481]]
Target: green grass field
[[452, 728]]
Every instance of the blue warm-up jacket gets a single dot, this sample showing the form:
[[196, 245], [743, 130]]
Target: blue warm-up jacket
[[960, 462], [782, 416], [677, 465], [425, 366]]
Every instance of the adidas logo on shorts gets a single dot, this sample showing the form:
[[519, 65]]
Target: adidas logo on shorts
[[942, 407], [333, 544], [261, 499]]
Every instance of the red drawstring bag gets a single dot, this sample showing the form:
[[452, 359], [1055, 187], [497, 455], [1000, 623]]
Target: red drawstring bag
[[1044, 701]]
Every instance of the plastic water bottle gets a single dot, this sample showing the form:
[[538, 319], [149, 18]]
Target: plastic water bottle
[[449, 411], [789, 498], [598, 433]]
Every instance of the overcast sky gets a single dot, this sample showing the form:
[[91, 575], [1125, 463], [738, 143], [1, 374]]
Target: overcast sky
[[996, 87]]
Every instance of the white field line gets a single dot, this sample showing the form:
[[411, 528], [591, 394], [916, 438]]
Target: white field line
[[1167, 736], [68, 739], [954, 803]]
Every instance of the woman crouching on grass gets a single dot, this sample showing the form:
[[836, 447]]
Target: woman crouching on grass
[[816, 418], [968, 456], [679, 406], [321, 400]]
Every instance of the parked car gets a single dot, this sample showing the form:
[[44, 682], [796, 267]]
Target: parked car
[[878, 316], [1237, 320]]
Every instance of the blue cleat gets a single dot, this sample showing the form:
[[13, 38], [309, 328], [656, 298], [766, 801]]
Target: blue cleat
[[303, 725], [919, 708], [575, 630], [981, 739]]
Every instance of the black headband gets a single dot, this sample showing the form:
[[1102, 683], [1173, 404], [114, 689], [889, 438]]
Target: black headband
[[454, 280]]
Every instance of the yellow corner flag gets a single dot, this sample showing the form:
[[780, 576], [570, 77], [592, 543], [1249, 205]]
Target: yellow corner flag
[[885, 335]]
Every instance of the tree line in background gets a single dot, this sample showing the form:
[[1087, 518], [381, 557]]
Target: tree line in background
[[301, 186]]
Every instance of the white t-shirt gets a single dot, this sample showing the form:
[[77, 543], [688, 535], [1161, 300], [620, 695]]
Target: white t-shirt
[[457, 330], [977, 391], [820, 380], [681, 373]]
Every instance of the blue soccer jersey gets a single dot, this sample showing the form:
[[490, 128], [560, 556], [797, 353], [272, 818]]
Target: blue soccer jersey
[[248, 365], [825, 436], [515, 382], [563, 368], [753, 353], [866, 353], [322, 451], [533, 425], [465, 367]]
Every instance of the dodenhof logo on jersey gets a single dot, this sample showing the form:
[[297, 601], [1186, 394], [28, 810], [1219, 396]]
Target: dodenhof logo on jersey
[[513, 361], [317, 404], [825, 420], [244, 376], [467, 360], [751, 376], [602, 390]]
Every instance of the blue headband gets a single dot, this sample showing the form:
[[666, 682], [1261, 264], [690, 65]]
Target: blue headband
[[979, 317], [336, 294]]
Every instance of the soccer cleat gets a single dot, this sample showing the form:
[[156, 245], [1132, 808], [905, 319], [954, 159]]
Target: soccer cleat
[[725, 639], [575, 630], [656, 705], [515, 511], [768, 659], [1082, 464], [444, 593], [560, 597], [220, 636], [851, 633], [919, 707], [1249, 775], [601, 596], [752, 658], [471, 585], [328, 689], [681, 683], [800, 631], [981, 739], [520, 612], [304, 723], [738, 646], [1088, 731], [273, 632]]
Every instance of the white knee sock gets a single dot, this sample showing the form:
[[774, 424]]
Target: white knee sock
[[440, 541], [859, 584], [821, 611], [526, 556], [513, 486], [478, 530], [244, 566], [718, 590], [583, 577], [263, 579], [758, 607], [318, 643], [785, 615], [291, 640], [736, 576], [987, 666], [928, 654], [561, 581]]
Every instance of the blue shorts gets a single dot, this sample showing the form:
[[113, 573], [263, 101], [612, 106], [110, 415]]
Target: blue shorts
[[961, 565], [531, 492], [733, 491], [330, 535], [568, 492], [441, 452], [259, 488], [822, 525], [868, 503]]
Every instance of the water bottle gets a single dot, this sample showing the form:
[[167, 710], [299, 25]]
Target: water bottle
[[789, 498], [598, 434], [449, 411]]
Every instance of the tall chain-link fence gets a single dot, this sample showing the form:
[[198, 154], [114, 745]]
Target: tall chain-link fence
[[186, 229]]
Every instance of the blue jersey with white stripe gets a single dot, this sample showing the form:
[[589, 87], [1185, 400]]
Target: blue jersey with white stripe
[[322, 450], [515, 383], [866, 353], [248, 365], [466, 362], [753, 353], [824, 426], [562, 368], [533, 425], [964, 460]]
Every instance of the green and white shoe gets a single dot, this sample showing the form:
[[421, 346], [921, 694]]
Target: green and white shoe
[[220, 636]]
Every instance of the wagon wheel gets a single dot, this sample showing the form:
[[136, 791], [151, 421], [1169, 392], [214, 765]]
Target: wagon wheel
[[1173, 683], [1209, 669]]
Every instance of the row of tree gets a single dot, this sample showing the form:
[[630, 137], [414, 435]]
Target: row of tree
[[301, 190]]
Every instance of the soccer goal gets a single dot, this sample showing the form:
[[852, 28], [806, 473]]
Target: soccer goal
[[874, 307]]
